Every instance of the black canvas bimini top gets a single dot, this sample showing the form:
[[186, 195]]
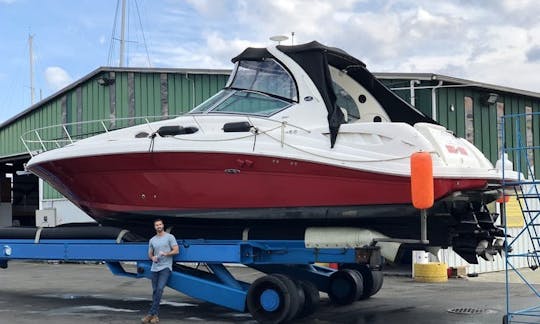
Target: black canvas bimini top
[[315, 58]]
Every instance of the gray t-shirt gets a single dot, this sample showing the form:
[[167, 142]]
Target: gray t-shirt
[[163, 243]]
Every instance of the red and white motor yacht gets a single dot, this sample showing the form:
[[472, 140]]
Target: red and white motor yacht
[[302, 138]]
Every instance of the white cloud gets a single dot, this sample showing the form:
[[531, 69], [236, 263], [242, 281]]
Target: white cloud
[[486, 41], [519, 5], [57, 78], [7, 1], [224, 49], [208, 7]]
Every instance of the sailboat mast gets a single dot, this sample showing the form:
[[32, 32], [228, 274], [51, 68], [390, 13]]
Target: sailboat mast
[[122, 34], [31, 53]]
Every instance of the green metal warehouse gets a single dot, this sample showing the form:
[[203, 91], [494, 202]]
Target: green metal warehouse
[[119, 95]]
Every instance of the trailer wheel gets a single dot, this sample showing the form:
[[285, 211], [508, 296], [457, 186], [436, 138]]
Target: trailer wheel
[[345, 286], [272, 299], [312, 299], [372, 280], [296, 293]]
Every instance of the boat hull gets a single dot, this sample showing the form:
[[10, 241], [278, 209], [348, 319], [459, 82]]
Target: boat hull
[[191, 182], [237, 191]]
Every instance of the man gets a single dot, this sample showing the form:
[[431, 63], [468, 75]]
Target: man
[[161, 249]]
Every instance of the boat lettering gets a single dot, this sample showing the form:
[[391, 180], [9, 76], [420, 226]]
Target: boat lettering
[[456, 149]]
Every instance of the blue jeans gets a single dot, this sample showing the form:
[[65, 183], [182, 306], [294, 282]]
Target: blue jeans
[[159, 280]]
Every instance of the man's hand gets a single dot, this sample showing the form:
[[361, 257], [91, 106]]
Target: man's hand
[[162, 253], [155, 259]]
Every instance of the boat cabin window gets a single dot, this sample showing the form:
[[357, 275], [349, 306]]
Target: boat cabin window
[[266, 76], [346, 103], [356, 103], [256, 87]]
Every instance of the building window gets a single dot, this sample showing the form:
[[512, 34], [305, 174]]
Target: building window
[[469, 120], [500, 139]]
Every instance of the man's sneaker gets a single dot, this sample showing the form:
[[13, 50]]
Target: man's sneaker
[[147, 319], [154, 320]]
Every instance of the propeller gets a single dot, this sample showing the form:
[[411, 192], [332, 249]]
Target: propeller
[[486, 250]]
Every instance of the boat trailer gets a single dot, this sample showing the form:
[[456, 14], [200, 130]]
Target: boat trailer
[[289, 290]]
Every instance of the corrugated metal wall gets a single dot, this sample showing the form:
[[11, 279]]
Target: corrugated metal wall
[[133, 94]]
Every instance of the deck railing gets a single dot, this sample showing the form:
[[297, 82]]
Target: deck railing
[[48, 138], [56, 136]]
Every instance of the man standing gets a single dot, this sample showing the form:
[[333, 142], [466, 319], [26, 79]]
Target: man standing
[[161, 249]]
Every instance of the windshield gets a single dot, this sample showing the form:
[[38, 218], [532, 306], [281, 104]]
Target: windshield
[[258, 88], [241, 102], [266, 76]]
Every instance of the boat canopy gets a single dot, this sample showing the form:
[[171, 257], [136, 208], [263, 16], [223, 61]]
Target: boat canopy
[[315, 59]]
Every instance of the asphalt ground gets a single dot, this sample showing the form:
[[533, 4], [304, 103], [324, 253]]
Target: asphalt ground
[[33, 292]]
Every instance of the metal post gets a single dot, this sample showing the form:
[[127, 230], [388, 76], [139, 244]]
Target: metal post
[[104, 127], [67, 133], [40, 141], [26, 146], [434, 100], [411, 91], [423, 226]]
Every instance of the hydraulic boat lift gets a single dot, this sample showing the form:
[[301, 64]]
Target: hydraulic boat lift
[[290, 289]]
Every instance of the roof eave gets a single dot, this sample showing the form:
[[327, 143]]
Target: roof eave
[[445, 78]]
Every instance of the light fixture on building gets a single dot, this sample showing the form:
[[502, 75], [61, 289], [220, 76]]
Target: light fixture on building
[[490, 98], [105, 81]]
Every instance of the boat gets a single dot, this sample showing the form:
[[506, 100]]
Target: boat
[[301, 138]]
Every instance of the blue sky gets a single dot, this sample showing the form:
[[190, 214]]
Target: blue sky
[[488, 41]]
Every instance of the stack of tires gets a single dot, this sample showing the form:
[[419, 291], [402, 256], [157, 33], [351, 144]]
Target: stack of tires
[[430, 272]]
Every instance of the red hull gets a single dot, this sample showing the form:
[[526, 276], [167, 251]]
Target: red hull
[[208, 181]]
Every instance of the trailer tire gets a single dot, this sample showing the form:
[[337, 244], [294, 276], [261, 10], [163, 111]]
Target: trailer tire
[[312, 299], [372, 279], [296, 293], [346, 286], [272, 299]]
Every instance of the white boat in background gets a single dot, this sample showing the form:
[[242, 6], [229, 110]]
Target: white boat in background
[[300, 137]]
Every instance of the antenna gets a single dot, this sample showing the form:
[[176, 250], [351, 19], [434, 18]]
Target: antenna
[[279, 38], [31, 53]]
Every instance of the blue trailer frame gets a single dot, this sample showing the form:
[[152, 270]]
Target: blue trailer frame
[[218, 285]]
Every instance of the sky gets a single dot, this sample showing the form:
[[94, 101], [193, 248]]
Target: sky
[[491, 41]]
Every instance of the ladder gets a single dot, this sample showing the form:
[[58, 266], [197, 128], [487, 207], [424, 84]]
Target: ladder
[[526, 191]]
